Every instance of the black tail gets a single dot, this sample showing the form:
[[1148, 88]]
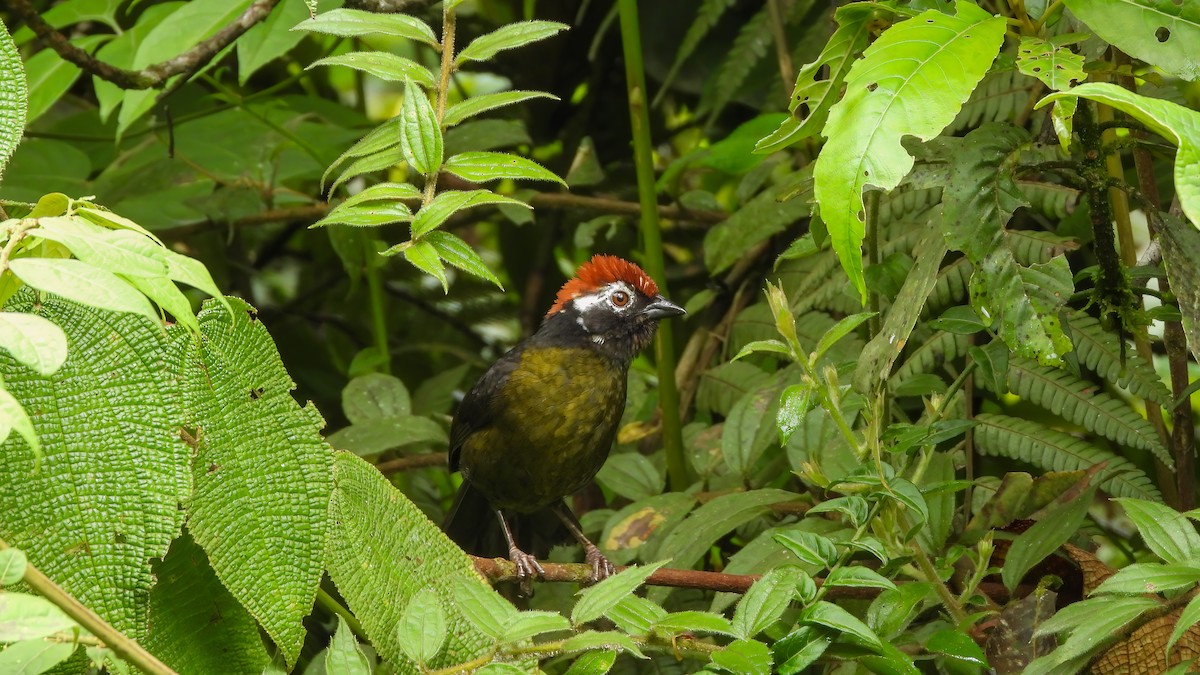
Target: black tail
[[472, 524]]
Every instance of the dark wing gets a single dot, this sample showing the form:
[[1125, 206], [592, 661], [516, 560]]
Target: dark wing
[[478, 407]]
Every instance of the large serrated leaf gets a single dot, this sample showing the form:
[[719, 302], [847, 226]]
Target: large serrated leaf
[[979, 200], [14, 94], [910, 82], [1051, 450], [382, 550], [1161, 32], [196, 626], [107, 497], [254, 444]]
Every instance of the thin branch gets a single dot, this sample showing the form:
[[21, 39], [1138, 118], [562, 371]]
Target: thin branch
[[151, 76], [422, 461]]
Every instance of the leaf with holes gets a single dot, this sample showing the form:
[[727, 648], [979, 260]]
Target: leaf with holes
[[1160, 32], [1057, 67]]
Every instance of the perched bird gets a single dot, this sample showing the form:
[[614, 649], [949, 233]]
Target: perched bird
[[538, 425]]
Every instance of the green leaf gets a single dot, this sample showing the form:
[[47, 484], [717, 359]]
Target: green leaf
[[1092, 623], [1057, 67], [385, 66], [445, 204], [794, 404], [853, 506], [904, 492], [15, 90], [1172, 121], [27, 617], [596, 600], [121, 251], [1043, 538], [832, 616], [420, 135], [485, 102], [270, 39], [1142, 578], [485, 608], [422, 628], [83, 283], [1187, 619], [1180, 244], [383, 192], [592, 639], [930, 63], [891, 612], [809, 547], [800, 649], [744, 657], [740, 444], [356, 22], [12, 566], [959, 320], [34, 341], [956, 645], [689, 541], [50, 76], [379, 144], [373, 396], [30, 657], [106, 499], [508, 36], [532, 623], [371, 214], [693, 621], [757, 346], [479, 167], [631, 475], [452, 249], [167, 296], [755, 221], [253, 439], [196, 625], [376, 539], [380, 434], [766, 600], [424, 257], [1155, 31], [636, 615], [344, 656], [1166, 531], [592, 663], [840, 330], [858, 577]]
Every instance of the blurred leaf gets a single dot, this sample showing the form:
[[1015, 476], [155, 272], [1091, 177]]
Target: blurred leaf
[[30, 657], [270, 39], [373, 396], [1043, 538], [12, 566], [27, 617], [757, 220], [631, 475]]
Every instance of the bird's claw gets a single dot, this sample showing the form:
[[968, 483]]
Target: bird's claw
[[527, 567], [601, 567]]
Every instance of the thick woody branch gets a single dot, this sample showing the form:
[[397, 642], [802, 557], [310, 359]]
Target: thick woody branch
[[151, 76]]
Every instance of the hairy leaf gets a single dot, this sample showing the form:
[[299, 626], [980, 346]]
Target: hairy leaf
[[508, 36], [385, 66], [355, 22], [484, 102], [14, 93]]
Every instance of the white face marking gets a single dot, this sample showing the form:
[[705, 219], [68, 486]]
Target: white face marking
[[585, 304]]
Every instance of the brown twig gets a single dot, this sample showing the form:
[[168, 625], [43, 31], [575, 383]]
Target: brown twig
[[412, 462], [151, 76]]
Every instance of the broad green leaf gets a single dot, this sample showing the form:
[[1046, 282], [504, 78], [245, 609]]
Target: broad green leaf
[[740, 444], [185, 270], [373, 396], [385, 66], [979, 200], [167, 296], [106, 499], [1043, 538], [26, 617], [83, 283], [445, 204], [800, 648], [420, 134], [485, 102], [686, 543], [840, 330], [181, 30], [479, 167], [270, 39], [1092, 623], [356, 22], [809, 547], [376, 538], [508, 36], [1166, 531], [50, 76], [30, 657], [34, 341], [912, 81], [766, 600], [15, 90], [631, 475], [253, 439], [592, 663], [120, 51], [424, 257], [744, 657], [1142, 578], [422, 628], [1172, 121], [380, 434], [832, 616], [532, 623], [596, 600], [1057, 67], [121, 251], [344, 656], [693, 621], [858, 577], [370, 214], [452, 249], [12, 566], [957, 645], [817, 89], [1187, 619], [484, 607], [1161, 32], [196, 625]]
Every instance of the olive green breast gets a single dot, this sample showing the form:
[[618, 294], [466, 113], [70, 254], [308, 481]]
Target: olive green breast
[[552, 425]]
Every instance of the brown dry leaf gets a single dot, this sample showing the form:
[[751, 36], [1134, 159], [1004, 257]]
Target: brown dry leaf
[[1094, 571], [1143, 652]]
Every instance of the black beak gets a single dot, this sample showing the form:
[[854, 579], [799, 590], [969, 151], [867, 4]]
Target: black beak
[[662, 308]]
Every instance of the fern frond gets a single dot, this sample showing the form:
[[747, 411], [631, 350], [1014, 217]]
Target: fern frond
[[749, 47], [996, 99], [1052, 450], [1083, 403], [1050, 199], [932, 353], [707, 16], [904, 202], [1033, 247], [1100, 351], [950, 288]]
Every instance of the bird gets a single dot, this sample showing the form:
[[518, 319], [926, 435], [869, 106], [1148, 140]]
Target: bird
[[539, 423]]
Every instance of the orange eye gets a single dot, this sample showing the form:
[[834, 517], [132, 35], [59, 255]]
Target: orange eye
[[620, 298]]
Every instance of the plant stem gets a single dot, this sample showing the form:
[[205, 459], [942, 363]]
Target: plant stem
[[447, 70], [373, 269], [664, 352], [124, 647], [931, 575], [328, 603]]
